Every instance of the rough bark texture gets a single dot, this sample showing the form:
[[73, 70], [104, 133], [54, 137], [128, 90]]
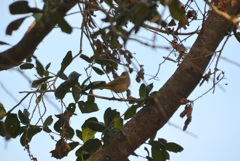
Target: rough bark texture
[[36, 33], [156, 114]]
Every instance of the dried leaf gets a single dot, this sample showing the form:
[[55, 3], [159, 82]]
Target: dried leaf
[[140, 75]]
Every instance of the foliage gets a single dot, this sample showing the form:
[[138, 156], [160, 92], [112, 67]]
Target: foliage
[[122, 20]]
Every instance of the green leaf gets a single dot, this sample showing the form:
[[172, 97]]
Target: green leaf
[[113, 118], [47, 123], [88, 133], [143, 91], [98, 71], [23, 118], [162, 142], [96, 126], [28, 134], [2, 129], [86, 58], [37, 16], [14, 25], [2, 111], [13, 125], [173, 147], [39, 98], [90, 146], [40, 69], [76, 91], [131, 112], [66, 61], [87, 107], [62, 89], [175, 10], [19, 7], [38, 82], [70, 109], [157, 154], [79, 134], [26, 66]]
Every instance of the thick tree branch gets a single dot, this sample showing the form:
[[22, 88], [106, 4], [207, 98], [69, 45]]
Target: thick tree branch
[[35, 34], [162, 106]]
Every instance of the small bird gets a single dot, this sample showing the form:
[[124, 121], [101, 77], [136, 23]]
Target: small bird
[[119, 84]]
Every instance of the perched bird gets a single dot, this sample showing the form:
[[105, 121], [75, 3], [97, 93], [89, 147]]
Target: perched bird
[[119, 84]]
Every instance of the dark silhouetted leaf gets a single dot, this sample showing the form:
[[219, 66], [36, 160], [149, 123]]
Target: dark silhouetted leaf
[[86, 58], [19, 7], [143, 91], [79, 134], [4, 43], [90, 146], [23, 118], [62, 89], [62, 23], [157, 153], [113, 118], [87, 107], [131, 112], [96, 126], [40, 69], [38, 82], [76, 91], [12, 125], [237, 36], [66, 61], [26, 66], [28, 134], [98, 71], [47, 66], [2, 129], [173, 147], [47, 123], [14, 25]]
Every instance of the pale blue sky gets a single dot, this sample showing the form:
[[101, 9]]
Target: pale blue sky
[[215, 116]]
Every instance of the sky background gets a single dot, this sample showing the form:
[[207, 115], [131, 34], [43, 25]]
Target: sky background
[[212, 135]]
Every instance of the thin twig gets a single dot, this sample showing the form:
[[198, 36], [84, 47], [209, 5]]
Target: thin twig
[[17, 104]]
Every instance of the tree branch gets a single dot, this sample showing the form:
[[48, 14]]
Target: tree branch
[[35, 34], [164, 104]]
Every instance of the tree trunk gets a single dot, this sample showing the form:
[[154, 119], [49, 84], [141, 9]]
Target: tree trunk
[[162, 106]]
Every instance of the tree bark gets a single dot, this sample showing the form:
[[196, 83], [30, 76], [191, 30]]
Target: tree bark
[[164, 104], [35, 34]]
